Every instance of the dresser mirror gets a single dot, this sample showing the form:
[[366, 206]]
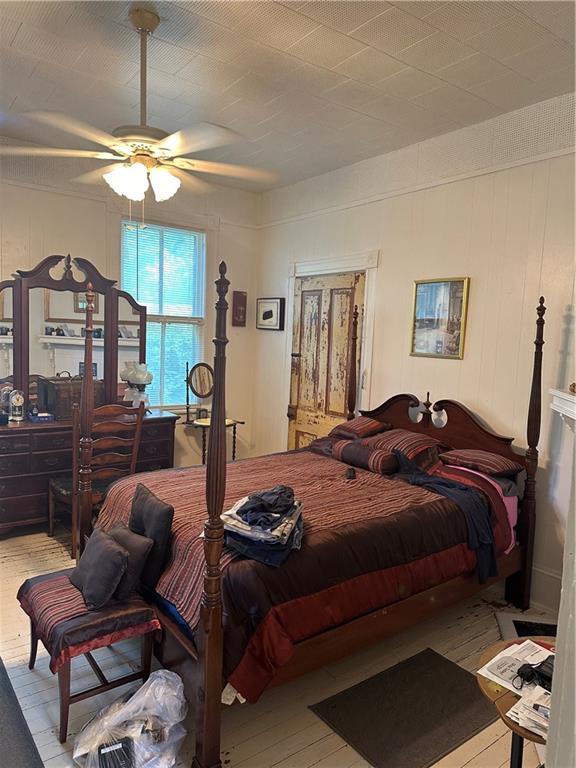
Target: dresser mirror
[[6, 331], [49, 328]]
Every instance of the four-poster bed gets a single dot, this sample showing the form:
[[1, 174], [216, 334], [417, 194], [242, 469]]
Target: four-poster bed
[[200, 656]]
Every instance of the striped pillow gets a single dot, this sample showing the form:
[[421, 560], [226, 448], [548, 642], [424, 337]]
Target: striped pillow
[[356, 454], [361, 426], [423, 450], [482, 461]]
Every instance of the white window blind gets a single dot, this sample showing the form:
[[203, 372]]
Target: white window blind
[[164, 269]]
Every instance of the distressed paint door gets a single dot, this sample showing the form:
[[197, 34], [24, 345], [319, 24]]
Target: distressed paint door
[[323, 309]]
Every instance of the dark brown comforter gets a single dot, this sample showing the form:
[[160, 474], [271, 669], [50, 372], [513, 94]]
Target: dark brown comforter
[[367, 542]]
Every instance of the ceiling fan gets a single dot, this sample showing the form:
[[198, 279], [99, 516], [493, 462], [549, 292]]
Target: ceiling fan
[[142, 155]]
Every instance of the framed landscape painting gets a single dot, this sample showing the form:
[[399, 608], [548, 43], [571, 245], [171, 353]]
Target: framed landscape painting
[[439, 317]]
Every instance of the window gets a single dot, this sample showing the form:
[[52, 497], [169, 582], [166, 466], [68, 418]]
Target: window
[[164, 269]]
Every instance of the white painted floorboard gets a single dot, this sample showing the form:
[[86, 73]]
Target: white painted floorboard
[[277, 732]]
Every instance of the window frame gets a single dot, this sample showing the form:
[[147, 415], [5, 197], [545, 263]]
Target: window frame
[[163, 319]]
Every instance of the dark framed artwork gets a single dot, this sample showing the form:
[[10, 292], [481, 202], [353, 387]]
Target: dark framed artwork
[[239, 303], [270, 314], [439, 317]]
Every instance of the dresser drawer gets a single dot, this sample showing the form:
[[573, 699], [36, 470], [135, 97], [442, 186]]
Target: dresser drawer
[[23, 510], [51, 462], [157, 432], [52, 441], [159, 449], [14, 443], [17, 486], [16, 464]]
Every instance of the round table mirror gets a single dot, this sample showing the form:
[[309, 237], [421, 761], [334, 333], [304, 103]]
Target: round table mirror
[[201, 380]]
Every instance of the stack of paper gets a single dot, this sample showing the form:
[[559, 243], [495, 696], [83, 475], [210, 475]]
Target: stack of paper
[[503, 668], [533, 710]]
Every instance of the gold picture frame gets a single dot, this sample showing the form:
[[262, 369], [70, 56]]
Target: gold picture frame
[[439, 312], [78, 307]]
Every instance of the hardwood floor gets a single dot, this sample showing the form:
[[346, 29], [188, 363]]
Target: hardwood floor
[[279, 731]]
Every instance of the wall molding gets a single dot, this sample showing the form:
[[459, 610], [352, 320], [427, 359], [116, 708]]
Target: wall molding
[[371, 199]]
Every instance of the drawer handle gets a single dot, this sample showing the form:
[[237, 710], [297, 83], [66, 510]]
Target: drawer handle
[[151, 432], [4, 445], [3, 510], [59, 442], [51, 461], [2, 487], [5, 464], [151, 450]]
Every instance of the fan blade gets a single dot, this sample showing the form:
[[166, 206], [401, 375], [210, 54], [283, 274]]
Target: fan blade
[[191, 182], [76, 127], [8, 149], [197, 138], [225, 169], [93, 177]]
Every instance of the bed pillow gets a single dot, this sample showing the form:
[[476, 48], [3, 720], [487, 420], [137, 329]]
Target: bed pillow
[[423, 450], [363, 456], [361, 426], [152, 517], [482, 461], [138, 548], [100, 569]]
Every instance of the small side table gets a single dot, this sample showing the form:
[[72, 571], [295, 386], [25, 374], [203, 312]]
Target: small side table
[[204, 425], [503, 699]]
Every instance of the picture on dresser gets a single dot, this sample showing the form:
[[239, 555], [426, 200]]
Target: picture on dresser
[[439, 317]]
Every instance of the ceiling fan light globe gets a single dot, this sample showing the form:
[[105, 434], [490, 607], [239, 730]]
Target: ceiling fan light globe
[[164, 183], [130, 181], [115, 179]]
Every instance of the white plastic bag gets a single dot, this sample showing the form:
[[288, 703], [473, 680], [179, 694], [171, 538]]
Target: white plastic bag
[[140, 730]]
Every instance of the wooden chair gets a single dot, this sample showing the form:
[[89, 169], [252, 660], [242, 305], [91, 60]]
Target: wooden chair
[[114, 443]]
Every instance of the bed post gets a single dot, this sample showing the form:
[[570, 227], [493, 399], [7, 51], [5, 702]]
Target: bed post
[[518, 585], [353, 366], [210, 634], [86, 417]]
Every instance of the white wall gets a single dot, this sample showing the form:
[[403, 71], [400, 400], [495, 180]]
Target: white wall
[[42, 214], [509, 230]]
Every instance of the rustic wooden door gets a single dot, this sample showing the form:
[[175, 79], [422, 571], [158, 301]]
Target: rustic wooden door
[[323, 311]]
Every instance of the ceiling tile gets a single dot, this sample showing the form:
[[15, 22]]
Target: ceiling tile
[[108, 67], [117, 10], [254, 87], [436, 52], [166, 57], [334, 115], [393, 30], [474, 70], [351, 93], [18, 64], [542, 60], [49, 16], [97, 31], [456, 104], [465, 19], [226, 12], [45, 45], [510, 91], [409, 83], [275, 25], [267, 62], [367, 129], [8, 30], [311, 79], [189, 30], [562, 24], [510, 38], [418, 8], [342, 15], [370, 66], [325, 47], [212, 74], [291, 122], [543, 12], [395, 111]]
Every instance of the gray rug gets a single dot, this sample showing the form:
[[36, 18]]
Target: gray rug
[[410, 715], [17, 745]]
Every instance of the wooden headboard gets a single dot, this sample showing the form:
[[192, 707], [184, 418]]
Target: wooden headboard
[[459, 427]]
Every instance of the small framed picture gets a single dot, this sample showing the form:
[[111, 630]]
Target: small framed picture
[[239, 300], [439, 317], [80, 303], [270, 314], [81, 368]]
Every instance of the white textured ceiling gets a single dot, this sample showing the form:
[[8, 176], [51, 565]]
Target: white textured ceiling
[[311, 86]]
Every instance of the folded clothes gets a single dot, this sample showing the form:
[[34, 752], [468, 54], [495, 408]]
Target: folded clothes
[[279, 532], [266, 508], [269, 553]]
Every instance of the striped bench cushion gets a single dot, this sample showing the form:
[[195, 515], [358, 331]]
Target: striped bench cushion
[[65, 625]]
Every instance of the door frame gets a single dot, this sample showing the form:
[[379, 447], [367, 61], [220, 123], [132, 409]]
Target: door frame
[[367, 262]]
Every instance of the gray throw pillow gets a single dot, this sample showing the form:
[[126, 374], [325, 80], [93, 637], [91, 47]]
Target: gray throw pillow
[[152, 517], [138, 548], [99, 570]]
